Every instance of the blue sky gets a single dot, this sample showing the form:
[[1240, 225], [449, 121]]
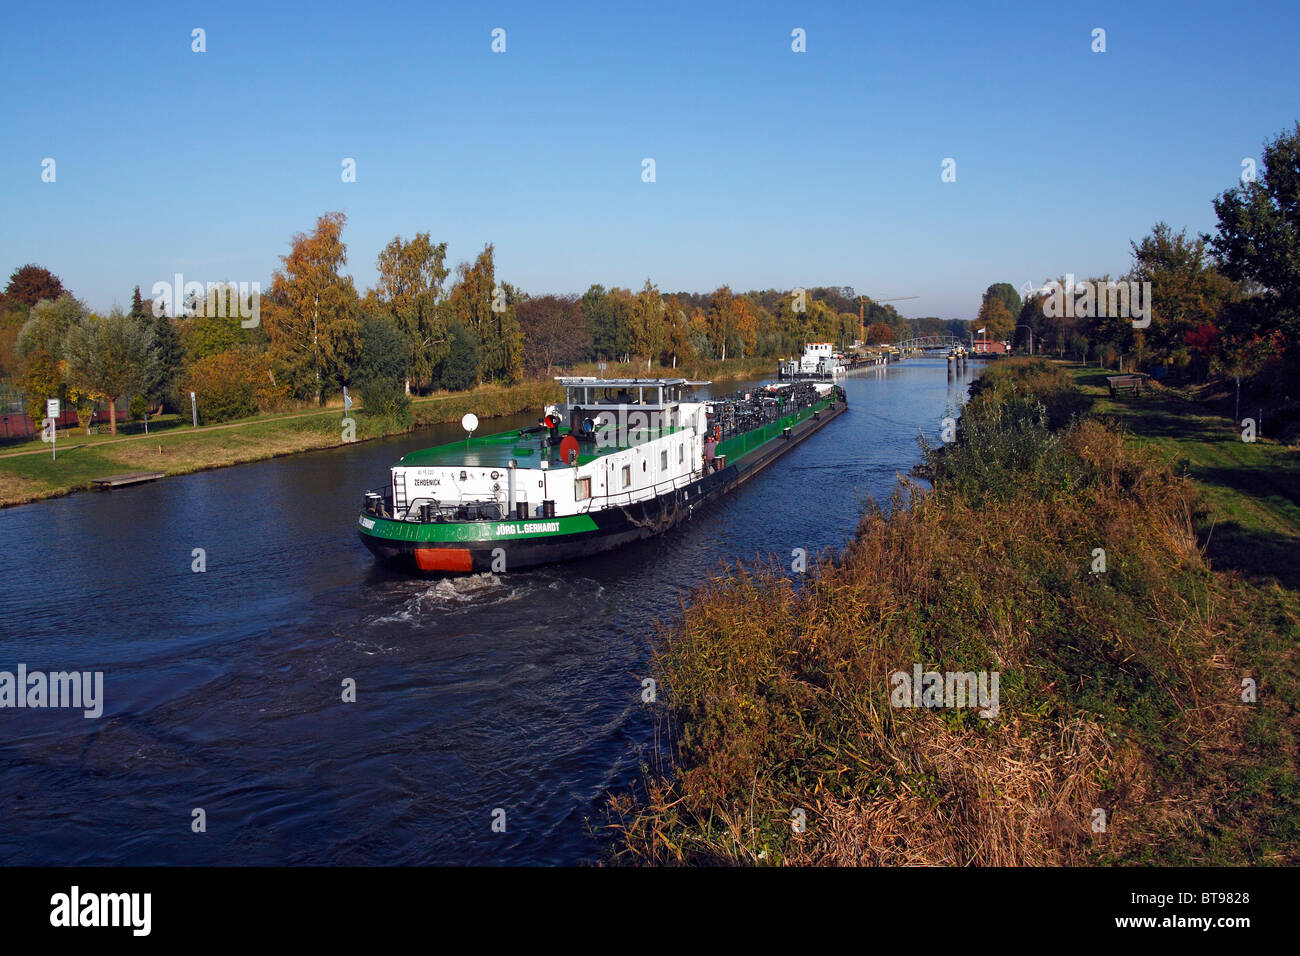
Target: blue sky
[[774, 168]]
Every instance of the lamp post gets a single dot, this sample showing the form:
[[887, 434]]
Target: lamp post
[[1031, 336]]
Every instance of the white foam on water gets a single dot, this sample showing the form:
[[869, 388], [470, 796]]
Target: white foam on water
[[466, 588], [404, 616], [449, 595]]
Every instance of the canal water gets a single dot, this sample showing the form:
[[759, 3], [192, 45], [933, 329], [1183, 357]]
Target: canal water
[[512, 699]]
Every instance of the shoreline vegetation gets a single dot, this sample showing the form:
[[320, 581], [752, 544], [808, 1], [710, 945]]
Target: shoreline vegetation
[[174, 447], [1208, 309], [1125, 733]]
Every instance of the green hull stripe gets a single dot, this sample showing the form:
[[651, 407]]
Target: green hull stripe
[[470, 531]]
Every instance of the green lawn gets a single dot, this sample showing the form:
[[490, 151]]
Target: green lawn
[[28, 474], [1253, 488], [27, 477], [78, 436]]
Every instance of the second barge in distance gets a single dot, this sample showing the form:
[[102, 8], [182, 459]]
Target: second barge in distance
[[619, 460]]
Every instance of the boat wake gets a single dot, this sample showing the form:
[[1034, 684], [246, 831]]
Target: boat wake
[[467, 588], [448, 594]]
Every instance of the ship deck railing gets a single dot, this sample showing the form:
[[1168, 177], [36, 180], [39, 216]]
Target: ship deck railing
[[485, 509], [496, 451], [634, 495]]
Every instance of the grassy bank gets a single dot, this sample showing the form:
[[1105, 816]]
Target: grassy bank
[[176, 448], [1251, 489], [1120, 691], [28, 474]]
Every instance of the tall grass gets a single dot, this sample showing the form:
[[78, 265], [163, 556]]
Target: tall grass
[[488, 401], [1119, 690]]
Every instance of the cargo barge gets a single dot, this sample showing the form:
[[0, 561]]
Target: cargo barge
[[618, 461]]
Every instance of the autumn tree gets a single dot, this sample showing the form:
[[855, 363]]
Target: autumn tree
[[38, 351], [311, 314], [701, 337], [234, 384], [554, 331], [30, 284], [765, 340], [995, 319], [746, 325], [822, 323], [646, 323], [847, 329], [110, 357], [677, 333], [201, 335], [789, 327], [722, 320], [876, 313], [1006, 293], [41, 378], [878, 333], [410, 289], [9, 329], [1187, 292], [486, 309]]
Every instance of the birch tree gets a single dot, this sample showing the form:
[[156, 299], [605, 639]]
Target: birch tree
[[311, 317]]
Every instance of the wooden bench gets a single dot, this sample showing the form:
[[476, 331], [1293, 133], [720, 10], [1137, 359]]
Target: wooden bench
[[1118, 383]]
